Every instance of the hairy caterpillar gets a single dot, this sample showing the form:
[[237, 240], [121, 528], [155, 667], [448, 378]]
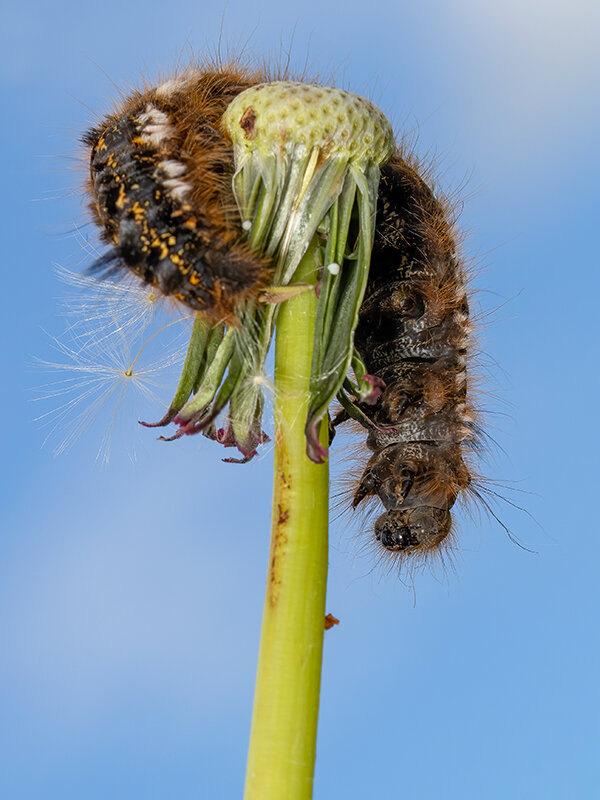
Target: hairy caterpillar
[[160, 183], [413, 333], [161, 188]]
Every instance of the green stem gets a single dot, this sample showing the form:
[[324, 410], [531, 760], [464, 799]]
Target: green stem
[[282, 748]]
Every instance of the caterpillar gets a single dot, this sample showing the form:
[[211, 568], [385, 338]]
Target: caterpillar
[[414, 334], [161, 193], [160, 183]]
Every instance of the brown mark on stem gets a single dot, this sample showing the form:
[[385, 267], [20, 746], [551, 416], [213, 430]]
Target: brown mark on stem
[[278, 545], [330, 621], [283, 515]]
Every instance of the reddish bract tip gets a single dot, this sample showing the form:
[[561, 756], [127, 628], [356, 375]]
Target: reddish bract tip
[[166, 420], [314, 449], [378, 385]]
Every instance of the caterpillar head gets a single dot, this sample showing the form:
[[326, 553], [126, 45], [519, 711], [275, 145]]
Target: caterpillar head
[[423, 528]]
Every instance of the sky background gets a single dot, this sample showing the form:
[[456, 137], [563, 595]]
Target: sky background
[[131, 595]]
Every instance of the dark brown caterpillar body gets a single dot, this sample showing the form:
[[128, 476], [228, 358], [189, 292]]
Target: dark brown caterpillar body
[[413, 333], [160, 182]]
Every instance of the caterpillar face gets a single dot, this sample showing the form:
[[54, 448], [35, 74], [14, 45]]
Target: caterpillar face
[[160, 187], [421, 528]]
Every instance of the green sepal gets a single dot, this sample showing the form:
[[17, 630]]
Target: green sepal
[[341, 296], [198, 405], [192, 365], [215, 338]]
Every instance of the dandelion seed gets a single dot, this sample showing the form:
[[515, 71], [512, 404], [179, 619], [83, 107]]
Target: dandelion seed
[[100, 370], [99, 308]]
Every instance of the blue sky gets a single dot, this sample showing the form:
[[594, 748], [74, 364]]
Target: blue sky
[[131, 595]]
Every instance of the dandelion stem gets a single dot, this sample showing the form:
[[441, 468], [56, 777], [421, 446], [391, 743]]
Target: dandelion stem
[[282, 748]]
